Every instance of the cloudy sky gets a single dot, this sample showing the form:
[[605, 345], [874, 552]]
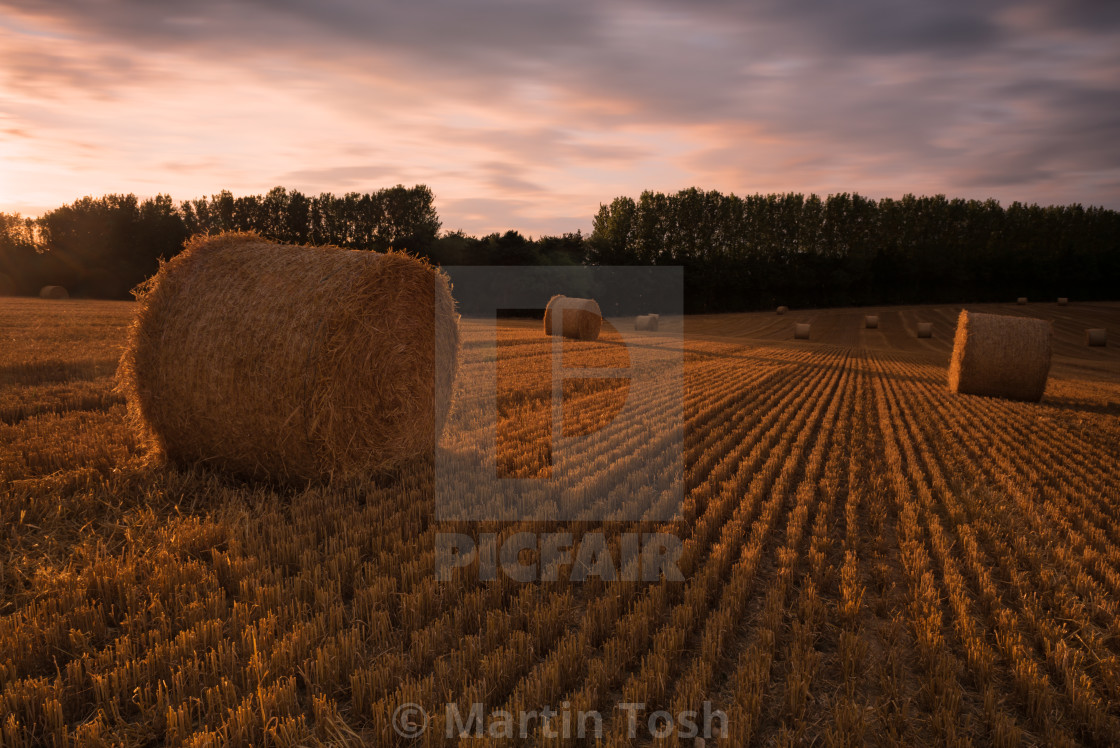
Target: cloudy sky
[[528, 114]]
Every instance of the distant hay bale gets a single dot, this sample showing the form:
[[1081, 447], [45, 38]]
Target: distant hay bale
[[648, 322], [783, 309], [291, 363], [579, 319], [53, 292], [1000, 356], [801, 331], [871, 322], [1021, 300], [925, 329], [1062, 301], [1096, 337]]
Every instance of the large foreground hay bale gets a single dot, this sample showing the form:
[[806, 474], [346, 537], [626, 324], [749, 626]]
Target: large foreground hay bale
[[783, 309], [1096, 336], [53, 292], [291, 363], [925, 329], [573, 318], [1000, 356], [1062, 301], [801, 331], [871, 321], [646, 322], [1021, 300]]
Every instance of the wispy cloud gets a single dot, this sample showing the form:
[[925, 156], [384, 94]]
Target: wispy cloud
[[527, 114]]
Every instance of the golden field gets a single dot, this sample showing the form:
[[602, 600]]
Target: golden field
[[868, 559]]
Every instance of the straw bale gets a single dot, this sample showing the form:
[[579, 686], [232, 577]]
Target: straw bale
[[801, 331], [871, 321], [1096, 336], [53, 292], [578, 318], [1000, 356], [291, 363], [925, 329]]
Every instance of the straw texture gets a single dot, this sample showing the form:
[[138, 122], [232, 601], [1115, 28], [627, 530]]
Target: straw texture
[[1000, 356], [291, 363], [53, 292], [576, 318]]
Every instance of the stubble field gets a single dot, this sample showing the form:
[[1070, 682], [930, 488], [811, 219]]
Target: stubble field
[[867, 558]]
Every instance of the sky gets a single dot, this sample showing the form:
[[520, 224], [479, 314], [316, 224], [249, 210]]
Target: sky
[[529, 114]]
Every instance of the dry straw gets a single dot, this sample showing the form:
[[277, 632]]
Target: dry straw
[[574, 318], [783, 309], [801, 331], [1062, 301], [291, 363], [1096, 336], [53, 292], [648, 322], [1021, 300], [1000, 356], [871, 322], [925, 329]]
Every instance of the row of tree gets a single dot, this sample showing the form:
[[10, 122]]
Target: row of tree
[[737, 252], [762, 250], [102, 247]]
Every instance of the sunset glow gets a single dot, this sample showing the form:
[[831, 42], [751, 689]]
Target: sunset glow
[[528, 115]]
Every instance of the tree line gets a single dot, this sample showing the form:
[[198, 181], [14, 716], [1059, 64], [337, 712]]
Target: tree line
[[762, 250], [737, 252], [102, 247]]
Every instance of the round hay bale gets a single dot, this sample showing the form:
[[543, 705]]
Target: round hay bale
[[925, 329], [1062, 301], [871, 322], [1000, 356], [7, 285], [1096, 336], [783, 309], [648, 322], [579, 319], [291, 363], [53, 292], [1021, 300], [801, 331]]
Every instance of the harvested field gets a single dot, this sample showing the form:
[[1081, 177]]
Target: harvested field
[[867, 558]]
